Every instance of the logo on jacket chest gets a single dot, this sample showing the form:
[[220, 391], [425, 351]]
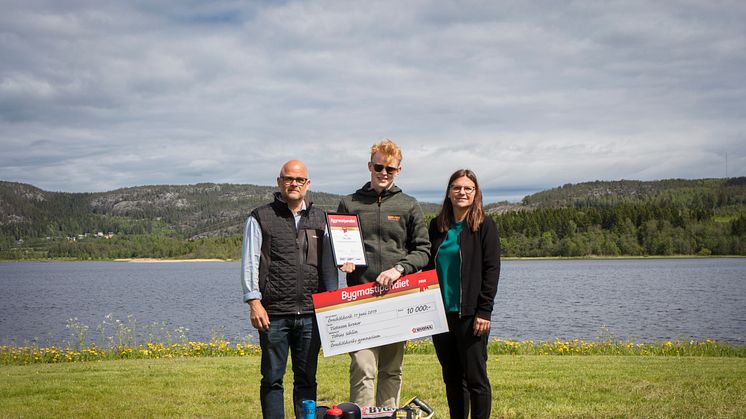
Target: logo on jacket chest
[[393, 217]]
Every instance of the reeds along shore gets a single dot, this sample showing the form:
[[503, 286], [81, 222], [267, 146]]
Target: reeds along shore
[[23, 355]]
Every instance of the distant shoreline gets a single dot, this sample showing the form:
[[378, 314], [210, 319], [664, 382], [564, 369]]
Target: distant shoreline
[[621, 257], [156, 260]]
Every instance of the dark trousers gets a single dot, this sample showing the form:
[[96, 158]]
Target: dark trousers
[[463, 359], [300, 336]]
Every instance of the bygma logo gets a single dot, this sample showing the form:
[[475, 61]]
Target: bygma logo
[[422, 328]]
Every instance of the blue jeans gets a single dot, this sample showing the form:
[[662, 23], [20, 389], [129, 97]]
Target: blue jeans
[[299, 334]]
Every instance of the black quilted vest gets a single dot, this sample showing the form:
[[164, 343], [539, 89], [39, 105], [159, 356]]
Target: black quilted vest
[[289, 268]]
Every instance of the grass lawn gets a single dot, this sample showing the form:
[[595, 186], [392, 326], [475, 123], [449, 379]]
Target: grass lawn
[[523, 386]]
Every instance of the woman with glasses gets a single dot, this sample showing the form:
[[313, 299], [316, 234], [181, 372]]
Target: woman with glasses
[[465, 252]]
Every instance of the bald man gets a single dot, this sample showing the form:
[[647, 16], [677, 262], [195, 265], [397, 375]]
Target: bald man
[[286, 257]]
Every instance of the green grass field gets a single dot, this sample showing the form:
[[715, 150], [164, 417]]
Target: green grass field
[[523, 386]]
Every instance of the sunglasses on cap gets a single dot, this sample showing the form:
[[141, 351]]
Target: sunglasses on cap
[[389, 169]]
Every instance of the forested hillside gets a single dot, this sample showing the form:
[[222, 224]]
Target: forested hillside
[[202, 220], [183, 211], [699, 193], [667, 217]]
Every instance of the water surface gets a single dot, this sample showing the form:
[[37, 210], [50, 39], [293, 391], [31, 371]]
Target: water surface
[[638, 299]]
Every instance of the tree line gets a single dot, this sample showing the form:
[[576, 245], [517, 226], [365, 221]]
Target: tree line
[[124, 247], [622, 218], [631, 229], [624, 230]]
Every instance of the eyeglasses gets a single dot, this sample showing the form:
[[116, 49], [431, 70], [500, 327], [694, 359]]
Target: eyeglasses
[[288, 180], [467, 189], [389, 169]]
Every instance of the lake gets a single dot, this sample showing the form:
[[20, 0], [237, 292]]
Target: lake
[[643, 300]]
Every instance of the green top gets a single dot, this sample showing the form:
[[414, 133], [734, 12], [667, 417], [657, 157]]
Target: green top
[[448, 266]]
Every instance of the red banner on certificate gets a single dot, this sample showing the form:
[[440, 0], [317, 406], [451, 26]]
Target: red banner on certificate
[[346, 238], [369, 315]]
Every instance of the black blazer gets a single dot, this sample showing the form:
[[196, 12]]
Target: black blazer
[[480, 266]]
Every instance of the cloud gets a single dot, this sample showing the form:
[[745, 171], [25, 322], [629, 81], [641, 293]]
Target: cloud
[[100, 95]]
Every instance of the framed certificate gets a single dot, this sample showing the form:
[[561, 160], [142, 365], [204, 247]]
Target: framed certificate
[[346, 238], [367, 315]]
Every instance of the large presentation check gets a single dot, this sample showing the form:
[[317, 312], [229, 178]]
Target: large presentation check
[[365, 316]]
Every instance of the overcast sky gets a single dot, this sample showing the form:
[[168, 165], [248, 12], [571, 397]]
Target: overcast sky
[[97, 95]]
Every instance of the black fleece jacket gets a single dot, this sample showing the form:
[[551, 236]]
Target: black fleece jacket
[[394, 231], [480, 266]]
